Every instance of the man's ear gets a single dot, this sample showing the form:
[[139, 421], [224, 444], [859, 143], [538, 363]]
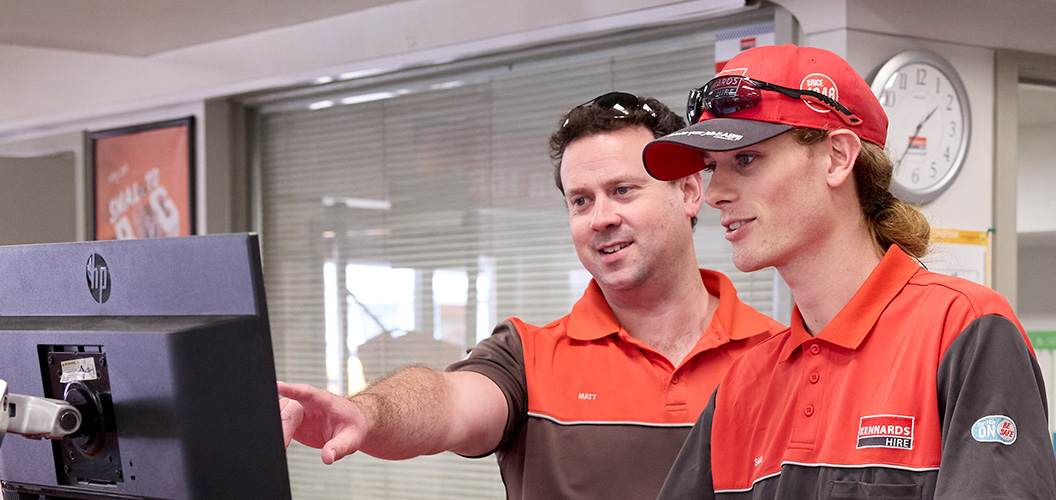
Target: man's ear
[[692, 187], [843, 149]]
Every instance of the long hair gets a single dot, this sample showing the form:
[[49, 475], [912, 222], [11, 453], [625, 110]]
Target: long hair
[[891, 221]]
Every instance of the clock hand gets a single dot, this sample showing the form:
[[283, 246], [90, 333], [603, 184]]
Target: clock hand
[[914, 136], [922, 122]]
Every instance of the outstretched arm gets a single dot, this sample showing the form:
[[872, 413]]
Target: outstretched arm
[[416, 411]]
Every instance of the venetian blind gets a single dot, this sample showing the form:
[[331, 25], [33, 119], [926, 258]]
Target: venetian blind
[[403, 220]]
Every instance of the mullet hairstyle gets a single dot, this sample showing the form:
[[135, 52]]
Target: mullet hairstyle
[[891, 221]]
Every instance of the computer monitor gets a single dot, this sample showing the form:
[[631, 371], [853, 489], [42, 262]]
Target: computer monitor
[[164, 347]]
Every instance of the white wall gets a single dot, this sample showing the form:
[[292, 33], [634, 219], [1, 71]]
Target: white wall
[[44, 91], [867, 33], [48, 92], [1037, 273], [1036, 201], [968, 203], [66, 137], [71, 144], [1036, 210], [38, 208]]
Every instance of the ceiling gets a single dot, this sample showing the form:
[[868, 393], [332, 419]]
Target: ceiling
[[146, 27], [142, 28]]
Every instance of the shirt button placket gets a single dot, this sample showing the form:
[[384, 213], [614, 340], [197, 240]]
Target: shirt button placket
[[811, 394], [813, 377], [677, 393]]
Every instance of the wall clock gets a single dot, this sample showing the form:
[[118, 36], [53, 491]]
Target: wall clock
[[929, 123]]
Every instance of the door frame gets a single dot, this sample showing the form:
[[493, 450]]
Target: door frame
[[1011, 69]]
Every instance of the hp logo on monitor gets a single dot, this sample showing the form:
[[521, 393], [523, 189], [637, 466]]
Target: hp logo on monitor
[[98, 278]]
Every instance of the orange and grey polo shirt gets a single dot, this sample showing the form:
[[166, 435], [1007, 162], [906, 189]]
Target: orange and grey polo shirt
[[596, 413], [923, 386]]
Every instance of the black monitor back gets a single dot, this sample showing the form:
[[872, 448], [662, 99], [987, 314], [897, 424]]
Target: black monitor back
[[164, 345]]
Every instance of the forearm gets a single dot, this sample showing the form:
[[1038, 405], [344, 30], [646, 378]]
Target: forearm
[[405, 414], [418, 411]]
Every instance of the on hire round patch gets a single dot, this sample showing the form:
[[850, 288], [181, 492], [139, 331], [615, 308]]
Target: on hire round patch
[[994, 429]]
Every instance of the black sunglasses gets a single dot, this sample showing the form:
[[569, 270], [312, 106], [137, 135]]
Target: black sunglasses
[[729, 94], [620, 103]]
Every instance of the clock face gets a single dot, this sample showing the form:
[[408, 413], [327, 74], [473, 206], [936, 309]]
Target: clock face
[[929, 123]]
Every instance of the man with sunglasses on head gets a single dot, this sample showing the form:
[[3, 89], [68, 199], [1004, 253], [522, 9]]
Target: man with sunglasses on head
[[594, 405], [892, 381]]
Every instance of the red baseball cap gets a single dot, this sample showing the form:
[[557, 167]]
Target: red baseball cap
[[773, 112]]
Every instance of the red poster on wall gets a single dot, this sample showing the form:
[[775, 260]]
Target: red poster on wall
[[144, 180]]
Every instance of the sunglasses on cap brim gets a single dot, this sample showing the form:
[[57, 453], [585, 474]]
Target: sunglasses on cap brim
[[725, 95]]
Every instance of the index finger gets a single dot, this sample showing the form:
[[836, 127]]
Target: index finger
[[292, 414], [296, 391]]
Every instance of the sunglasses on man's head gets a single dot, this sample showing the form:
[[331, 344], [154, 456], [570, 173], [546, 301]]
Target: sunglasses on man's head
[[725, 95], [622, 104]]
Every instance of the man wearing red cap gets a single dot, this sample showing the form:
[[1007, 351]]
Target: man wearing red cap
[[892, 381], [594, 405]]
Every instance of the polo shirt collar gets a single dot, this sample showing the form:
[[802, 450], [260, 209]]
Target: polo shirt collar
[[857, 318], [592, 318], [739, 320]]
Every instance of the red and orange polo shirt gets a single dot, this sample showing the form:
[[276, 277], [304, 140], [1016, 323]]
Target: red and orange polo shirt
[[596, 413], [923, 386]]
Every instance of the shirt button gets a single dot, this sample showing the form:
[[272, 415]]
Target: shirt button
[[815, 349], [814, 377], [674, 380], [809, 410]]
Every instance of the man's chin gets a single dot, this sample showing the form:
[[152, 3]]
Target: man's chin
[[619, 281], [747, 263]]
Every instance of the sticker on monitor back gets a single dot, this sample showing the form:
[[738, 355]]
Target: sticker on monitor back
[[77, 370]]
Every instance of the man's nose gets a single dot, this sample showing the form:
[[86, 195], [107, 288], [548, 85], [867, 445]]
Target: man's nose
[[605, 215], [719, 190]]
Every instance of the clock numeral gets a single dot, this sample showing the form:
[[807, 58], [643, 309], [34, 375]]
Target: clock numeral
[[927, 106], [887, 98], [922, 76]]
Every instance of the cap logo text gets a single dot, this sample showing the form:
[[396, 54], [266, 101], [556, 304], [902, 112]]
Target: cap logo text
[[725, 136], [821, 84]]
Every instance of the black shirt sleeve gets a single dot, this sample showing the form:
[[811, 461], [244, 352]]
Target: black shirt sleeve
[[690, 475], [500, 357], [995, 437]]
